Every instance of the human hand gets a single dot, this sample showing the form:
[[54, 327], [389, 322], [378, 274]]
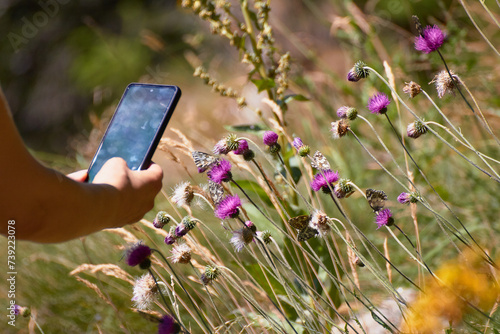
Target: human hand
[[79, 176], [135, 190]]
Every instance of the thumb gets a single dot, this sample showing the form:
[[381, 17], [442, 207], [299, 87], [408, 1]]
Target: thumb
[[79, 176]]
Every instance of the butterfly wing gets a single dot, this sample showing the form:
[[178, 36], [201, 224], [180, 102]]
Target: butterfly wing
[[319, 161], [216, 191], [306, 233], [299, 222], [376, 199], [203, 161]]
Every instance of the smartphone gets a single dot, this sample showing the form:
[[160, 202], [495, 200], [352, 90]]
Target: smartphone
[[136, 126]]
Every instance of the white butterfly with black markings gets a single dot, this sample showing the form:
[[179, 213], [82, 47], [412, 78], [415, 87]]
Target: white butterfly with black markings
[[216, 191], [319, 161], [203, 161]]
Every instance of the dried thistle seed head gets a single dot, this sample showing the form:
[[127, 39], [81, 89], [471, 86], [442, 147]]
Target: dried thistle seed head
[[162, 218], [340, 128], [183, 194], [358, 72], [319, 221], [416, 129], [145, 292], [243, 236], [210, 274], [445, 84], [180, 254], [412, 89]]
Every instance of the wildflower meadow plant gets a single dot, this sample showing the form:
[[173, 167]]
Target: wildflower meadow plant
[[271, 239]]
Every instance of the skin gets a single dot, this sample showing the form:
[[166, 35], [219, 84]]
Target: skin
[[50, 207]]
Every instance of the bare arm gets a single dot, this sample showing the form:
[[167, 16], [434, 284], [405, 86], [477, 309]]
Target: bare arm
[[50, 207]]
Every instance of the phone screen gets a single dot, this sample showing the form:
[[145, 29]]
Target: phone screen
[[137, 126]]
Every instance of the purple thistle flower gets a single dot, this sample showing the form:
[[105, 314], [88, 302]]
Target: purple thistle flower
[[221, 147], [181, 230], [297, 143], [270, 138], [351, 76], [228, 207], [378, 103], [322, 182], [431, 39], [220, 172], [139, 253], [170, 238], [242, 147], [17, 309], [404, 198], [384, 218], [357, 72], [168, 325]]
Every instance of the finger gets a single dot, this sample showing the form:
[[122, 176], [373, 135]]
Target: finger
[[79, 176]]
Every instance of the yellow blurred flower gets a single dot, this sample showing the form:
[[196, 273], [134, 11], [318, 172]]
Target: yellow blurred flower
[[447, 298]]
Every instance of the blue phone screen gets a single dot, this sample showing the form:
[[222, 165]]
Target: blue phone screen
[[134, 126]]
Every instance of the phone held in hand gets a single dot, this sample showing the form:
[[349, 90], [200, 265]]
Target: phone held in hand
[[136, 126]]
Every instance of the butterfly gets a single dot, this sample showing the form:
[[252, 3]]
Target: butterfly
[[301, 223], [203, 161], [376, 199], [216, 191], [319, 161]]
